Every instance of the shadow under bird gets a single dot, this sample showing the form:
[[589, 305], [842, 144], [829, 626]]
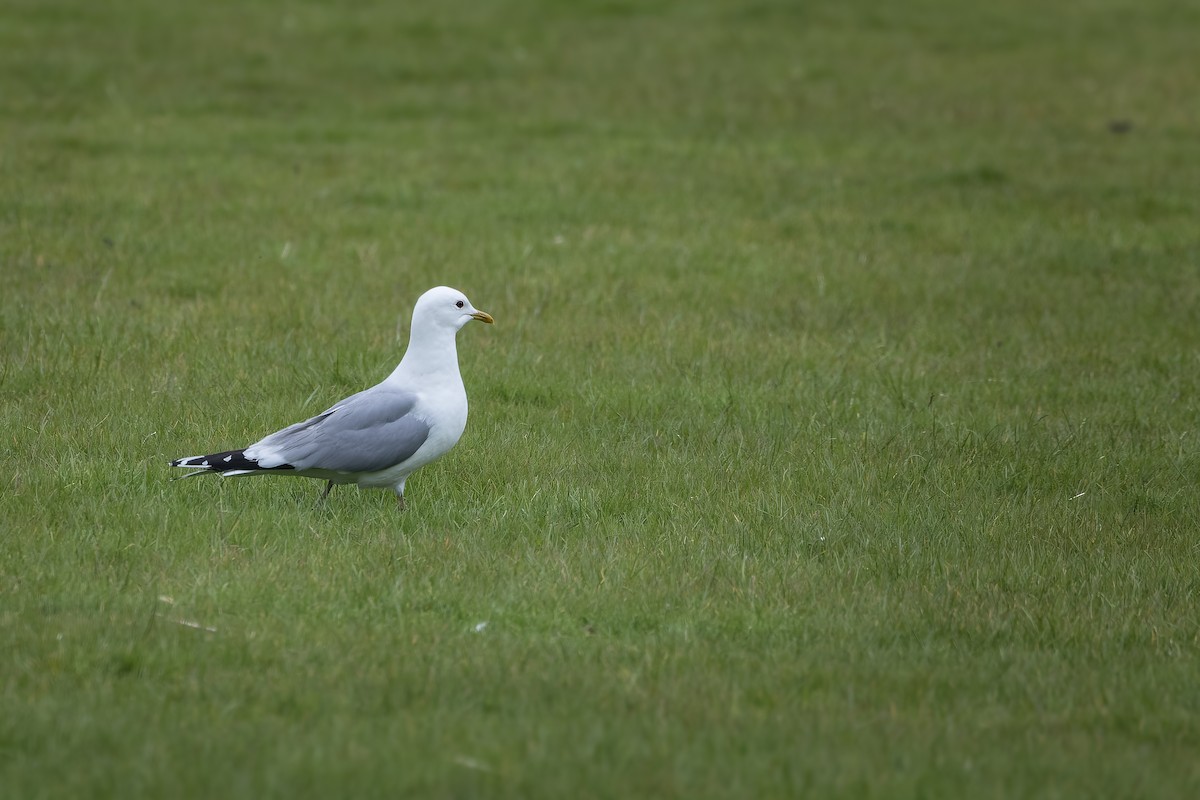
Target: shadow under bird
[[380, 436]]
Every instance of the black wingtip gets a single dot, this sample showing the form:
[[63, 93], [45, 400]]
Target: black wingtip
[[227, 461], [218, 462]]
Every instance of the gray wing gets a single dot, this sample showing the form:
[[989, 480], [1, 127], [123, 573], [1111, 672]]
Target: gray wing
[[367, 432]]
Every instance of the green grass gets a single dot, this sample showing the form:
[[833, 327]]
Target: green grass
[[837, 435]]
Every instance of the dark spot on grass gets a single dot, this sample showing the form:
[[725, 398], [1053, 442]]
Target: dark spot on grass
[[982, 175], [525, 395], [125, 665]]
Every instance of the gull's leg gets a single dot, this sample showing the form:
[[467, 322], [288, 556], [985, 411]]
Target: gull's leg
[[400, 500], [324, 494]]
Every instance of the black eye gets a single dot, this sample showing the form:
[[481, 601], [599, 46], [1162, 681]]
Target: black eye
[[459, 304]]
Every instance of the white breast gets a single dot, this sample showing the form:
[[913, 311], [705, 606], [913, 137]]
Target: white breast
[[446, 414]]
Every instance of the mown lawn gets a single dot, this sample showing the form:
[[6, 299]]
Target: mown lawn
[[837, 435]]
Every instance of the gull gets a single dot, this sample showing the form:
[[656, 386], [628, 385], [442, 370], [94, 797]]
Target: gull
[[380, 436]]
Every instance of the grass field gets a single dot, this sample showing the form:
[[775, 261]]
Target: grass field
[[837, 437]]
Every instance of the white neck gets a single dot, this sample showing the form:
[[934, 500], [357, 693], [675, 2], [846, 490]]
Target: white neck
[[432, 357]]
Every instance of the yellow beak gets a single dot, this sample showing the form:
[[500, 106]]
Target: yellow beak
[[483, 316]]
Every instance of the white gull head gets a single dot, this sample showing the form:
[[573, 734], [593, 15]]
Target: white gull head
[[443, 307], [438, 315]]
